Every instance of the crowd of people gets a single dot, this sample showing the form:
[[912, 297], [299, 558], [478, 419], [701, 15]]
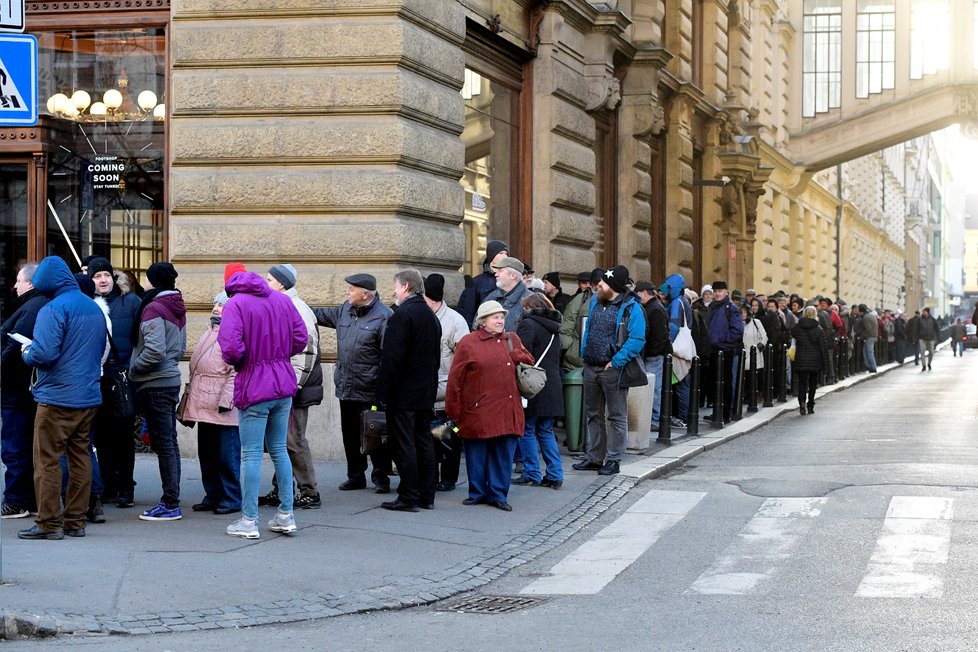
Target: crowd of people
[[448, 380]]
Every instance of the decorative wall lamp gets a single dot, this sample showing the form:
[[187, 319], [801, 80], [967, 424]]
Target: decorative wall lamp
[[112, 107]]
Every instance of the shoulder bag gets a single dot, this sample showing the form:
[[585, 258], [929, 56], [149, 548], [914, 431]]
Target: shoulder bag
[[373, 430], [530, 378], [117, 395], [633, 373], [684, 347]]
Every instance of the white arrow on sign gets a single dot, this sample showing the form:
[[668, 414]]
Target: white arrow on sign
[[10, 97]]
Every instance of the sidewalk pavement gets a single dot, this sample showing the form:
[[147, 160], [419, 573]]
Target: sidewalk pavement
[[133, 577]]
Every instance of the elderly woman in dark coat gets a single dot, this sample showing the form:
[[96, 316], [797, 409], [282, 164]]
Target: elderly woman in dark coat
[[809, 357], [539, 330], [482, 398]]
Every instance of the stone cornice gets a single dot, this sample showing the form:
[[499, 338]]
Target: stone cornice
[[35, 7]]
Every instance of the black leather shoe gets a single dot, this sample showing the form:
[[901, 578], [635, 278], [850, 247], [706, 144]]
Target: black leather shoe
[[587, 465], [220, 511], [445, 485], [426, 505], [77, 532], [36, 533], [270, 499], [802, 411], [474, 501], [524, 481], [352, 485], [610, 468], [504, 506], [811, 408], [553, 484], [124, 501], [382, 488], [202, 507], [95, 512], [399, 505]]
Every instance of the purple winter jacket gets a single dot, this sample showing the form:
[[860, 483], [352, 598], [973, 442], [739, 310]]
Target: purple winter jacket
[[260, 332]]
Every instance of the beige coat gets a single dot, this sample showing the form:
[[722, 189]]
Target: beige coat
[[211, 383]]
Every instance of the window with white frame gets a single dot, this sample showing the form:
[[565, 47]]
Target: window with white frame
[[929, 37], [822, 73], [875, 46]]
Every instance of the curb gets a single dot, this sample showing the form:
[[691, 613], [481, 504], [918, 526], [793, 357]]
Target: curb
[[409, 592]]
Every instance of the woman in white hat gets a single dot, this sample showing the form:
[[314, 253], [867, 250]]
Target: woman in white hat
[[482, 398]]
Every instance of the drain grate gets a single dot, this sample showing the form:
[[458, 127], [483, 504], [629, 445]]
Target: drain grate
[[493, 604]]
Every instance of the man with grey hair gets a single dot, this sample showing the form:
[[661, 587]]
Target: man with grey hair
[[510, 289], [407, 385], [309, 377], [16, 401], [360, 325]]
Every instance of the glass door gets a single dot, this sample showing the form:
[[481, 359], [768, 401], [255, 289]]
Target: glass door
[[14, 213]]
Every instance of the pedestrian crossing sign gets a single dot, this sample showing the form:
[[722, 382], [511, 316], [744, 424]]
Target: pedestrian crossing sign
[[18, 80]]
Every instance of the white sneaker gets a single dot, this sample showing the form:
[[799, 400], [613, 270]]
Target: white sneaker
[[283, 523], [244, 527]]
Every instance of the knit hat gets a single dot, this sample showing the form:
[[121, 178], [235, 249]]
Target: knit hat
[[99, 264], [645, 286], [86, 284], [596, 274], [719, 285], [284, 274], [434, 287], [231, 269], [221, 297], [493, 248], [554, 278], [706, 288], [489, 308], [162, 276], [616, 278]]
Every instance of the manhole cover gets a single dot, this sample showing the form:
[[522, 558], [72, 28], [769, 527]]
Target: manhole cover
[[493, 604]]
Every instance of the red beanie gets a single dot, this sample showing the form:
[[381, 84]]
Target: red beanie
[[231, 269]]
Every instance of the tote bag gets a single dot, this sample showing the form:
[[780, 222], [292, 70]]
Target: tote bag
[[684, 347]]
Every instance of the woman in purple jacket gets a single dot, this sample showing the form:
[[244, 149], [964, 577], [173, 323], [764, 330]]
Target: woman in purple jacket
[[260, 331]]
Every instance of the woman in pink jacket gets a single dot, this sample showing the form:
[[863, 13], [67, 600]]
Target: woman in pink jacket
[[210, 403]]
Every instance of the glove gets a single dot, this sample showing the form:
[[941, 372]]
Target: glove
[[223, 410]]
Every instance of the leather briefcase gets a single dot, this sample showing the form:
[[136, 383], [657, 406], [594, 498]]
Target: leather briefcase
[[373, 431]]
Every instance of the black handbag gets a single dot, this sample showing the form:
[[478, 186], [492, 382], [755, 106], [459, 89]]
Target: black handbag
[[117, 394], [373, 431]]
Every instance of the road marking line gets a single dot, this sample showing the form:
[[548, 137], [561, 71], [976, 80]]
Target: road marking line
[[594, 564], [760, 547], [911, 551]]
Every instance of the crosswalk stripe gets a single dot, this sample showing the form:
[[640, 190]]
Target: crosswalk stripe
[[911, 551], [760, 547], [594, 564]]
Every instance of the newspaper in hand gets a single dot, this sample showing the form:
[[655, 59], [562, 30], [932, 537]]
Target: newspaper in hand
[[17, 337]]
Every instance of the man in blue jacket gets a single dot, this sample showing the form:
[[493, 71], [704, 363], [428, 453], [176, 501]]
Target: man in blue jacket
[[69, 339], [680, 314], [613, 334], [726, 326]]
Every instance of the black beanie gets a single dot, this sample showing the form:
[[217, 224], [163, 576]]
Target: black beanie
[[616, 278], [98, 264], [162, 276], [86, 284], [434, 287], [493, 248]]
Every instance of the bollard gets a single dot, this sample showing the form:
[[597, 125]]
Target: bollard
[[831, 376], [693, 418], [768, 378], [752, 381], [665, 404], [782, 379], [860, 366], [738, 398], [840, 365], [717, 419]]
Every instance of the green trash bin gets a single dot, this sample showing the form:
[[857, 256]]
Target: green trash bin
[[574, 408]]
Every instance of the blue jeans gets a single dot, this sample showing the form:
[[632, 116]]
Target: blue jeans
[[266, 422], [219, 450], [489, 465], [869, 353], [159, 407], [653, 365], [958, 347], [17, 452], [538, 438], [681, 389]]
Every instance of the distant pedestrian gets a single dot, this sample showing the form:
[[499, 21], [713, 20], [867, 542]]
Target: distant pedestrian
[[407, 384], [67, 348], [16, 401], [484, 400], [913, 339], [809, 358], [870, 332], [161, 339], [927, 331], [210, 403], [958, 332], [260, 332]]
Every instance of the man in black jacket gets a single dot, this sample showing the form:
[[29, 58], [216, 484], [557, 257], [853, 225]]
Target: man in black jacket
[[657, 343], [407, 385], [485, 283], [16, 401]]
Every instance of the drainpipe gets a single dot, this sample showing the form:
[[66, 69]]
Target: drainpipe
[[838, 234]]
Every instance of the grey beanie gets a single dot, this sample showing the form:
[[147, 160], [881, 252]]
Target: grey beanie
[[284, 274]]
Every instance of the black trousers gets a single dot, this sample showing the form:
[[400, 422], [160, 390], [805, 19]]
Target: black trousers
[[356, 462], [409, 436], [116, 449], [447, 454], [807, 383]]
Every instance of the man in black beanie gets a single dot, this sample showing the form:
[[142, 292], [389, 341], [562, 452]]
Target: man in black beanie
[[551, 287], [161, 339], [483, 284]]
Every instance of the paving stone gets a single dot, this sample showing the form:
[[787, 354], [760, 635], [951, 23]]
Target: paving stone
[[159, 629], [184, 628]]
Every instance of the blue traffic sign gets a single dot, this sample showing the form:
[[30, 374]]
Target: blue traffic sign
[[18, 80]]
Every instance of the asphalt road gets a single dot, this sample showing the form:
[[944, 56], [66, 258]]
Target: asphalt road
[[850, 529]]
